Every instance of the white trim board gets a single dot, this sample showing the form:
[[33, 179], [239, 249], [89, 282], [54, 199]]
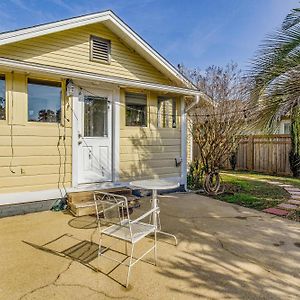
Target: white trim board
[[12, 64], [36, 196], [114, 23], [183, 143]]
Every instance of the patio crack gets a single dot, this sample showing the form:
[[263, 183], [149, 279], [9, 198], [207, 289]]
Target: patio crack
[[55, 283], [48, 284]]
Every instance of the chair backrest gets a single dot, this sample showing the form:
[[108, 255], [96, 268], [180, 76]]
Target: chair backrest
[[112, 209]]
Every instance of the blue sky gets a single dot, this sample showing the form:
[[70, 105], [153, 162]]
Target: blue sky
[[197, 33]]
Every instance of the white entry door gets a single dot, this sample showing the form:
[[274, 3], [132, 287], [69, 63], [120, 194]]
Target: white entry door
[[95, 137]]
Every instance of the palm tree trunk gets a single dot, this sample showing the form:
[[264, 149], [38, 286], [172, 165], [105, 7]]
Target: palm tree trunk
[[295, 141]]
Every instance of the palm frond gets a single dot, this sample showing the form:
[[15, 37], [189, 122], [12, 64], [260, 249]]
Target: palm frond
[[275, 73], [291, 19]]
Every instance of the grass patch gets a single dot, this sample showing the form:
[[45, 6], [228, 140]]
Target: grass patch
[[251, 193], [283, 179]]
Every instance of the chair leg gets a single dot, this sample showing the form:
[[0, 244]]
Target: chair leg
[[126, 248], [155, 247], [129, 266], [99, 251]]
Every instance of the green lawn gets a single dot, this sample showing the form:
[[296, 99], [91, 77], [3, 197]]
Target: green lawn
[[284, 179], [253, 193]]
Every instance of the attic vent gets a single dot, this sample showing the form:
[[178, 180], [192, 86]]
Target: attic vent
[[100, 49]]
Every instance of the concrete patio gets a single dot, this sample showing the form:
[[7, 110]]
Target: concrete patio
[[224, 251]]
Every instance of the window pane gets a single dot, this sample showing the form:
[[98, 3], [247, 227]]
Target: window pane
[[95, 116], [44, 101], [287, 128], [2, 97], [166, 117], [136, 109]]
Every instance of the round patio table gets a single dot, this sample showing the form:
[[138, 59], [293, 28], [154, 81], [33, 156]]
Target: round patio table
[[155, 185]]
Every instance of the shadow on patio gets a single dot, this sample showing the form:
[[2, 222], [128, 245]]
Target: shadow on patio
[[224, 251]]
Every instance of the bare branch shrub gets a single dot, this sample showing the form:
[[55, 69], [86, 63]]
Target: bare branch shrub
[[216, 127]]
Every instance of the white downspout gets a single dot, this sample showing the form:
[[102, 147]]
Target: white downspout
[[184, 138], [183, 145], [197, 99]]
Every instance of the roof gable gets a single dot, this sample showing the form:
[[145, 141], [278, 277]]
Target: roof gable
[[71, 49], [116, 25]]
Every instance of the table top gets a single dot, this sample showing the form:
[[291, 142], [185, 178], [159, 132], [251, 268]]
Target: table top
[[155, 184]]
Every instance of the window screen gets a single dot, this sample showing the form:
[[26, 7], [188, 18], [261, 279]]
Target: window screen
[[286, 128], [136, 109], [44, 101], [166, 113]]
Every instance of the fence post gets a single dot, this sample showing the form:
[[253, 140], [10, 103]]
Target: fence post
[[250, 153]]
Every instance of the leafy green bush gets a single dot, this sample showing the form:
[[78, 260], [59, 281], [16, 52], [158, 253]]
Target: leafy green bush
[[194, 176], [295, 164]]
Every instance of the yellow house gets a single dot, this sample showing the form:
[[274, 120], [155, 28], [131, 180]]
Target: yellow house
[[86, 103]]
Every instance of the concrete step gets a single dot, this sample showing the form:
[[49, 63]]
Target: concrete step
[[82, 203], [287, 206], [292, 189], [286, 185], [276, 211], [294, 193], [293, 201]]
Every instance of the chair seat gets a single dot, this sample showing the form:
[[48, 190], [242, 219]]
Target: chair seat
[[139, 231]]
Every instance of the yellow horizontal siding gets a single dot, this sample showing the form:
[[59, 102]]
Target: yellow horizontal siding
[[34, 160], [146, 175], [24, 181], [33, 156], [148, 152], [43, 130], [71, 49], [42, 169], [35, 187], [147, 156], [34, 141]]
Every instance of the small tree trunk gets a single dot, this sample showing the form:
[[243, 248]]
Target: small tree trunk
[[295, 142]]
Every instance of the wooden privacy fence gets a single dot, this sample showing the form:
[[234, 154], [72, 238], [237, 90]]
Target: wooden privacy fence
[[265, 153], [262, 153]]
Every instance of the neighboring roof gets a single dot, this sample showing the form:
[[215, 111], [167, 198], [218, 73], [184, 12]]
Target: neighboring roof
[[116, 25]]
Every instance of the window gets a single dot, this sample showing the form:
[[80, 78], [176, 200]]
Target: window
[[44, 101], [286, 128], [136, 109], [99, 49], [166, 113], [2, 97], [95, 116]]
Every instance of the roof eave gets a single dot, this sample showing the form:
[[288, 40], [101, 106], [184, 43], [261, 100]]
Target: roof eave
[[111, 20]]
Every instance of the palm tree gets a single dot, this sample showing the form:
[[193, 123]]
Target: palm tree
[[275, 82]]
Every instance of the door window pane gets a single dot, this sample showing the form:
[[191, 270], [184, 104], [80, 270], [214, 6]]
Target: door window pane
[[95, 116], [166, 117], [44, 101], [136, 109], [2, 97]]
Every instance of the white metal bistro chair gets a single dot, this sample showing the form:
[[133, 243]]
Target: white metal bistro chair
[[113, 210]]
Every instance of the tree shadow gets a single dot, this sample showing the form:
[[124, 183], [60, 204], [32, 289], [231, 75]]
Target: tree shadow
[[153, 156], [82, 251], [228, 256]]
